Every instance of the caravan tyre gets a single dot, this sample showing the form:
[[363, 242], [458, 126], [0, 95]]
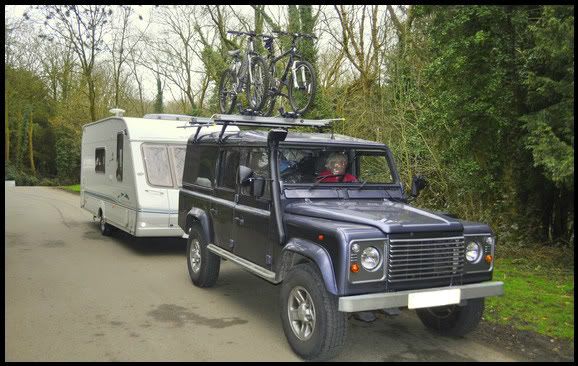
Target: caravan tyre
[[105, 229], [202, 264]]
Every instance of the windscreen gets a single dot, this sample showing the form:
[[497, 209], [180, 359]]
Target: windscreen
[[334, 165]]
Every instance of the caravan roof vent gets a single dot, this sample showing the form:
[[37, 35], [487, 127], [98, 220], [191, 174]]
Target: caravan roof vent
[[117, 112]]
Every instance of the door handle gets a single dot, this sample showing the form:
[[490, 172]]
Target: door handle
[[239, 220], [213, 211]]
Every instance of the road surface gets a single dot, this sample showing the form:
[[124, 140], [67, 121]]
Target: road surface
[[72, 294]]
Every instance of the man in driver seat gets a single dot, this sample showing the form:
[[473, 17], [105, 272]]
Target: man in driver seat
[[335, 168]]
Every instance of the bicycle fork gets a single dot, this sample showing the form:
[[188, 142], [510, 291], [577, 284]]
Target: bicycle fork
[[294, 72]]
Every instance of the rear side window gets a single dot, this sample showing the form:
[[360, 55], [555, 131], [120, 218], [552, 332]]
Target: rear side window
[[99, 159], [157, 168], [200, 165]]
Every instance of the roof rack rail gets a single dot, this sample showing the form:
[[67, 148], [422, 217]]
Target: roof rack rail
[[255, 121]]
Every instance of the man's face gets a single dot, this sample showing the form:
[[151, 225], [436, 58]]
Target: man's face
[[337, 165]]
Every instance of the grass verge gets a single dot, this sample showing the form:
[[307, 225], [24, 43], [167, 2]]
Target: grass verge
[[539, 291], [73, 188]]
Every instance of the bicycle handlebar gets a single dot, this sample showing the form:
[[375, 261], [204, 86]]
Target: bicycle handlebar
[[295, 35], [250, 34]]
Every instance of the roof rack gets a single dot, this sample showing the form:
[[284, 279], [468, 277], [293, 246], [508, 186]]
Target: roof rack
[[256, 121]]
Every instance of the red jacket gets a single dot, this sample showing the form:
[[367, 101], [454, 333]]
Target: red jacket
[[347, 178]]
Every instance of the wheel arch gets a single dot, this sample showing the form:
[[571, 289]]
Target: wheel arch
[[199, 216], [298, 251]]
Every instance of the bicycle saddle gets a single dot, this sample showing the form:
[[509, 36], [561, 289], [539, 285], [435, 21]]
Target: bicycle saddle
[[233, 53]]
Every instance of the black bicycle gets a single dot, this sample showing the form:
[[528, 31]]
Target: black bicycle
[[247, 72], [298, 77]]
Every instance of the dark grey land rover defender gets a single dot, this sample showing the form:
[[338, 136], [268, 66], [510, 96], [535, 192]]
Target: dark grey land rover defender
[[326, 216]]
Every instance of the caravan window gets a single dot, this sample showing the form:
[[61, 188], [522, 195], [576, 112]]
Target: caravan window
[[119, 155], [178, 155], [99, 159], [157, 166]]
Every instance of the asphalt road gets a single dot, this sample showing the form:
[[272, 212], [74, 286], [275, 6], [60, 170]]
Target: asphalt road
[[74, 295]]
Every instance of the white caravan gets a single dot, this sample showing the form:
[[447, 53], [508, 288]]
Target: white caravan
[[132, 169]]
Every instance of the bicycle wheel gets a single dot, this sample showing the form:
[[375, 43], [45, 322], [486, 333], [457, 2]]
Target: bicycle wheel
[[257, 91], [227, 94], [302, 90]]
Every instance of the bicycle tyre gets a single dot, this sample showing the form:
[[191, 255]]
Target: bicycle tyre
[[301, 108], [257, 102], [223, 105]]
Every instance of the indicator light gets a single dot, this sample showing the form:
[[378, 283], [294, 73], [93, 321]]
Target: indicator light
[[488, 259], [321, 237], [354, 268]]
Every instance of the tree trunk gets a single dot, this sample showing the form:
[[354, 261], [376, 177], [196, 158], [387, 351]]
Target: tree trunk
[[6, 134], [91, 98], [30, 146]]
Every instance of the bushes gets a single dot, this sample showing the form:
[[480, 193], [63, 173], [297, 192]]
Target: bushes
[[26, 178]]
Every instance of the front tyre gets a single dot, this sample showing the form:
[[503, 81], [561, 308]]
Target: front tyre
[[227, 92], [453, 320], [302, 88], [314, 327], [203, 265], [258, 89]]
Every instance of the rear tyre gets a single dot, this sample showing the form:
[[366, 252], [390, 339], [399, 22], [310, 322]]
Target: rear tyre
[[105, 229], [313, 325], [257, 91], [453, 320], [301, 95], [227, 93], [202, 264]]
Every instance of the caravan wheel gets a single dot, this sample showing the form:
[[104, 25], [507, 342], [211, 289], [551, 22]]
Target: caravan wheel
[[105, 229]]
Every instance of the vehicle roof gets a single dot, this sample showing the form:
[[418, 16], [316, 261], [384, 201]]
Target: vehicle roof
[[149, 129], [259, 137]]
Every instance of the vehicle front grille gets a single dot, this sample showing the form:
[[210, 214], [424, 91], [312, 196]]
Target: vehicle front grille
[[425, 259]]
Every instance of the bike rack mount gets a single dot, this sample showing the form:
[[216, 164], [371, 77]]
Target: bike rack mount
[[256, 121]]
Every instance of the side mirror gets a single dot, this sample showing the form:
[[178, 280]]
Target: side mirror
[[245, 174], [257, 187], [418, 183]]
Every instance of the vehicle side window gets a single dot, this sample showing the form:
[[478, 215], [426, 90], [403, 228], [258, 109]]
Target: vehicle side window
[[119, 155], [157, 168], [228, 168], [99, 159], [200, 165], [258, 162]]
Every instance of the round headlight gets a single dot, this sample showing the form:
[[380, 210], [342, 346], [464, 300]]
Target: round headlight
[[370, 258], [473, 252]]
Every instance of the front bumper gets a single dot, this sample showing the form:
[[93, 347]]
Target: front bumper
[[400, 299]]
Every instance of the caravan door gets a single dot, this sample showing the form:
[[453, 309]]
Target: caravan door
[[154, 193]]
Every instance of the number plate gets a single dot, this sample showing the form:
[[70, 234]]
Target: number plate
[[433, 298]]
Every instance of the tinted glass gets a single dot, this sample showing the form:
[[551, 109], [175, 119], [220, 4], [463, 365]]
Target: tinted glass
[[258, 161], [229, 166], [99, 160], [119, 155], [200, 165]]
